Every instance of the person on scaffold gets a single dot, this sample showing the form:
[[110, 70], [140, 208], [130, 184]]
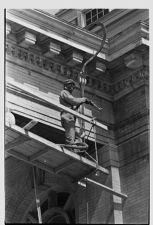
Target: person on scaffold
[[68, 120]]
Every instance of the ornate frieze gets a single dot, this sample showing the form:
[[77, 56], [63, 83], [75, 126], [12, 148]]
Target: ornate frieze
[[69, 72], [137, 77]]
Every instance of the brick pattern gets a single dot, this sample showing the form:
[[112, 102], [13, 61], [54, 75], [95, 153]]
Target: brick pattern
[[17, 186], [135, 182], [134, 148], [100, 209], [130, 104]]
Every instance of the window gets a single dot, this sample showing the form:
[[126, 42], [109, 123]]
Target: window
[[95, 14]]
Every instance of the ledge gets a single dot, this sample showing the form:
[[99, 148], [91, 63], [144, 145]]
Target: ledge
[[124, 40]]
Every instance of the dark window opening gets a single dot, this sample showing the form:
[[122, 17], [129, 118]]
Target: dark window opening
[[94, 14]]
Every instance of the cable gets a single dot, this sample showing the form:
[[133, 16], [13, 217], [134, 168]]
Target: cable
[[94, 128]]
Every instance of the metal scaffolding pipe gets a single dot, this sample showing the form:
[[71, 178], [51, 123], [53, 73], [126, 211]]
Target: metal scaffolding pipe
[[112, 191]]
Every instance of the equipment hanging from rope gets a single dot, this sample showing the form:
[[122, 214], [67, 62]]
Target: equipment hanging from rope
[[82, 79], [82, 82]]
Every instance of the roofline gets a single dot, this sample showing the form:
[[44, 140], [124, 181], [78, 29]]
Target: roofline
[[62, 11], [56, 28]]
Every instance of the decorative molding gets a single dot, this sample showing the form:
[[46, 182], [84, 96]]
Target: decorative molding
[[127, 38], [130, 38], [51, 48], [26, 38], [76, 37], [100, 67], [133, 61], [73, 57], [139, 77]]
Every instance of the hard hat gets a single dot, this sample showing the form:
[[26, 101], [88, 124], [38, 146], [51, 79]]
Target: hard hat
[[69, 81]]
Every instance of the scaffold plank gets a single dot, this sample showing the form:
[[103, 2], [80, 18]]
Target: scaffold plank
[[38, 154], [18, 141], [56, 147], [38, 164], [63, 165]]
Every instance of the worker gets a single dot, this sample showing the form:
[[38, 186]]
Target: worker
[[68, 120]]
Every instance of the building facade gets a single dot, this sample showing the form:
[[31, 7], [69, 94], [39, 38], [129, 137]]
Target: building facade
[[42, 51]]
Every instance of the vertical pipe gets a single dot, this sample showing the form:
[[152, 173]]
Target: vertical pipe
[[37, 199], [96, 150], [87, 205], [82, 87]]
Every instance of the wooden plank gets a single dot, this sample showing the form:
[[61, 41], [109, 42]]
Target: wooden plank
[[11, 133], [38, 154], [26, 159], [64, 165], [31, 124], [108, 189], [41, 96], [57, 148], [8, 138], [26, 149], [18, 141]]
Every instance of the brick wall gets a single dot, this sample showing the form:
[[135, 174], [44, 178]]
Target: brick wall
[[134, 156], [17, 186], [134, 148], [135, 182], [95, 202], [130, 104]]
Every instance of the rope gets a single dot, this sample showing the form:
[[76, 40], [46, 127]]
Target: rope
[[94, 129], [82, 73], [37, 199], [100, 48]]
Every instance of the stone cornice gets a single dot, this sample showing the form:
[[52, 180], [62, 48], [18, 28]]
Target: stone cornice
[[115, 90], [119, 42], [128, 39], [58, 29], [38, 62]]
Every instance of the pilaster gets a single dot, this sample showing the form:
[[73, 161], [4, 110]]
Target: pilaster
[[109, 157]]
